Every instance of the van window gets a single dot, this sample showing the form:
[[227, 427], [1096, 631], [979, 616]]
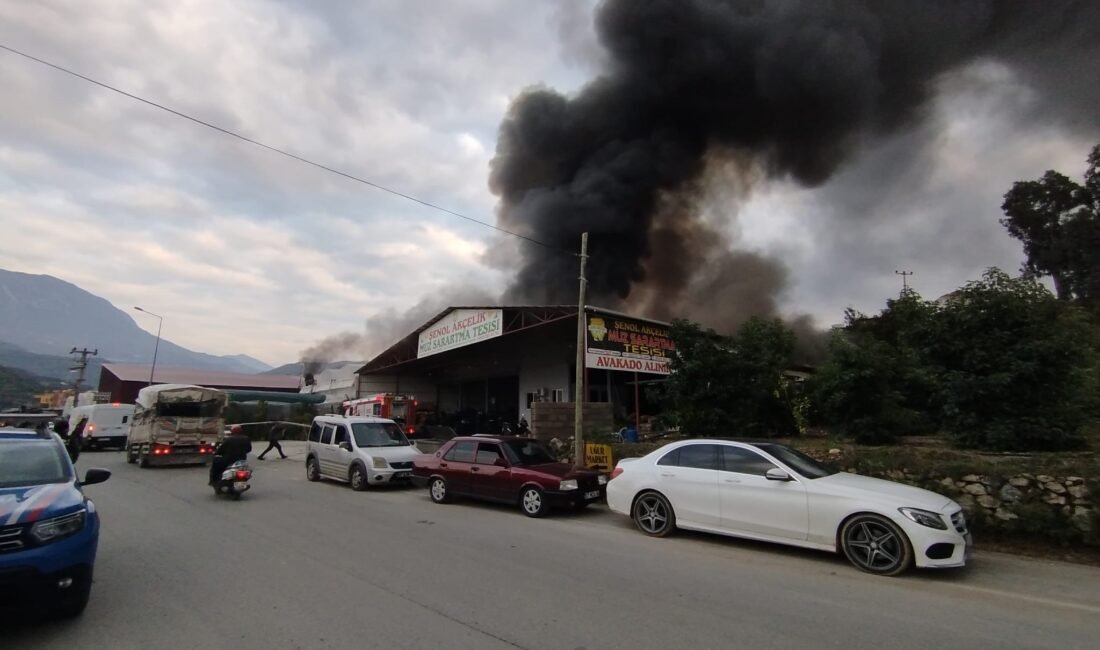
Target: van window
[[341, 434], [326, 434], [315, 432]]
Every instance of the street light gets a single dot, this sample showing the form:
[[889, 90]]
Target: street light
[[160, 321]]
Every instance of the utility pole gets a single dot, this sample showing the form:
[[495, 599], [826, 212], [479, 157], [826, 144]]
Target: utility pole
[[578, 394], [156, 348], [79, 367], [904, 279]]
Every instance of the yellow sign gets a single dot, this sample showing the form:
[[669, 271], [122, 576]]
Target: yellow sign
[[597, 456]]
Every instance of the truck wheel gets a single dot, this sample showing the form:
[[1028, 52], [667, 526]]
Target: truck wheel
[[313, 472], [131, 457], [143, 457]]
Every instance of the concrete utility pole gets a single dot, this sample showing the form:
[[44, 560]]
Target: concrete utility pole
[[578, 394], [156, 348], [904, 279], [79, 367]]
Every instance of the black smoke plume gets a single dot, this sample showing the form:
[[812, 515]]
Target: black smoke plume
[[773, 89]]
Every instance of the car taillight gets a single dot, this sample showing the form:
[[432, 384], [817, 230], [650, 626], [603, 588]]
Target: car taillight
[[243, 474], [615, 472], [161, 451], [91, 427]]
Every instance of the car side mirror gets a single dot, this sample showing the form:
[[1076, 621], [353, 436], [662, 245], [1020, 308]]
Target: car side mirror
[[776, 474], [500, 462], [94, 476], [345, 445]]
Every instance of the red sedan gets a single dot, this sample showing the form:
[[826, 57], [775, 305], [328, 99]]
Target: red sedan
[[507, 470]]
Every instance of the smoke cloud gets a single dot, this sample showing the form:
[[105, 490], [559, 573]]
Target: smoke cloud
[[386, 328], [778, 90]]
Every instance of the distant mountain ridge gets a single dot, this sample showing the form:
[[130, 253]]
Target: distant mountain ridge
[[44, 315]]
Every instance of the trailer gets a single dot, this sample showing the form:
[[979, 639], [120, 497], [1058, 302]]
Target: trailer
[[176, 424]]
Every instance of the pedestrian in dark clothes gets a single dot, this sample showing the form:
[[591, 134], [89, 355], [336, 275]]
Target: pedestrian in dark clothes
[[273, 442]]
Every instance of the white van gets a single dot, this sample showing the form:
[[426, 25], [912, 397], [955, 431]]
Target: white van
[[107, 425], [360, 450]]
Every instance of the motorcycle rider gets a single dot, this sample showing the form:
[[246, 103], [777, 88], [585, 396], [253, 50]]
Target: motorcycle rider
[[234, 447]]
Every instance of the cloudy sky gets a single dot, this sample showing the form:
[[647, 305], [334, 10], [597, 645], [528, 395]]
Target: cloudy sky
[[243, 251]]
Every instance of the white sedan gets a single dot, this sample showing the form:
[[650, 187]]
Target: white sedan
[[773, 493]]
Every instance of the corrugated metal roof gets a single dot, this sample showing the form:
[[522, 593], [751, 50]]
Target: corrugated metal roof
[[140, 373]]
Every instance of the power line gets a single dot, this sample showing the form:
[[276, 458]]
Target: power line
[[277, 150]]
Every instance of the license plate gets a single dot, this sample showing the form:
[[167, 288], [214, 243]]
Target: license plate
[[402, 475], [240, 486], [592, 495]]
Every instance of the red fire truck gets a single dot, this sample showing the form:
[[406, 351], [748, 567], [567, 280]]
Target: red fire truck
[[402, 409]]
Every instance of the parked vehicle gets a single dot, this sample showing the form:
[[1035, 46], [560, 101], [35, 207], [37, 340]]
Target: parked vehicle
[[234, 480], [506, 469], [405, 410], [175, 424], [771, 492], [360, 450], [107, 425], [49, 529]]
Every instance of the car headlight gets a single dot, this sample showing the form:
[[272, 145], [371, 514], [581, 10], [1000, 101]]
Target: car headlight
[[603, 479], [380, 463], [924, 517], [51, 530], [571, 484]]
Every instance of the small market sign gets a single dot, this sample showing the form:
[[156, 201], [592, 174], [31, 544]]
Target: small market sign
[[459, 328], [626, 344], [597, 456]]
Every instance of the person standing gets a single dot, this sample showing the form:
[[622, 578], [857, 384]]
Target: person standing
[[273, 442]]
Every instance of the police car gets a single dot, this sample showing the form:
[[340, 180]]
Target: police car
[[48, 528]]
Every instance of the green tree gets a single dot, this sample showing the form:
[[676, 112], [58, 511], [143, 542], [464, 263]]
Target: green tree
[[1058, 221], [729, 386], [1018, 367], [877, 384]]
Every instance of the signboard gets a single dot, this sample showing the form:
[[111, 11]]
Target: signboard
[[597, 456], [459, 328], [614, 343]]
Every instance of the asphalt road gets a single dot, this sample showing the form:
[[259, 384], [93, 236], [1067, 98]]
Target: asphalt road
[[304, 565]]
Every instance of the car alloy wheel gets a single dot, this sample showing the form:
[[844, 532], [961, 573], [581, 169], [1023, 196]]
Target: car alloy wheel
[[438, 491], [533, 502], [653, 515], [313, 473], [358, 479], [876, 545]]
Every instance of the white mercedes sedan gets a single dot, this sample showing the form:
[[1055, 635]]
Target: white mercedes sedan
[[770, 492]]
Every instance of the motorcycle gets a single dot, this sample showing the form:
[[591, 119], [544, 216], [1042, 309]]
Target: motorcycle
[[234, 480]]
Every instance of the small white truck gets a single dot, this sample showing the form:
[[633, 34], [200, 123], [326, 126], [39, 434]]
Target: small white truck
[[176, 424], [105, 425]]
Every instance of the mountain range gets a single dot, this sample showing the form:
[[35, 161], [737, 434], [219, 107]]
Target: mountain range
[[42, 318]]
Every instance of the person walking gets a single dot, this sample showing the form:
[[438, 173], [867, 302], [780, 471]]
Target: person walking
[[273, 442]]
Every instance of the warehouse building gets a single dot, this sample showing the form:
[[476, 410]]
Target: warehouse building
[[480, 366], [123, 380]]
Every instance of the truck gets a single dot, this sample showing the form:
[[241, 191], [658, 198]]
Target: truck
[[176, 424], [405, 410], [105, 425]]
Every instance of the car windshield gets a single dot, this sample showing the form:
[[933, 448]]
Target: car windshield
[[527, 452], [34, 462], [378, 434], [798, 461]]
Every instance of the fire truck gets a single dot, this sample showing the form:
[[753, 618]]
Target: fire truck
[[402, 409]]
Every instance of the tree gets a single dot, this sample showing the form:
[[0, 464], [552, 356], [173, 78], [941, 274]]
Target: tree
[[877, 385], [1018, 367], [1058, 221], [729, 386]]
